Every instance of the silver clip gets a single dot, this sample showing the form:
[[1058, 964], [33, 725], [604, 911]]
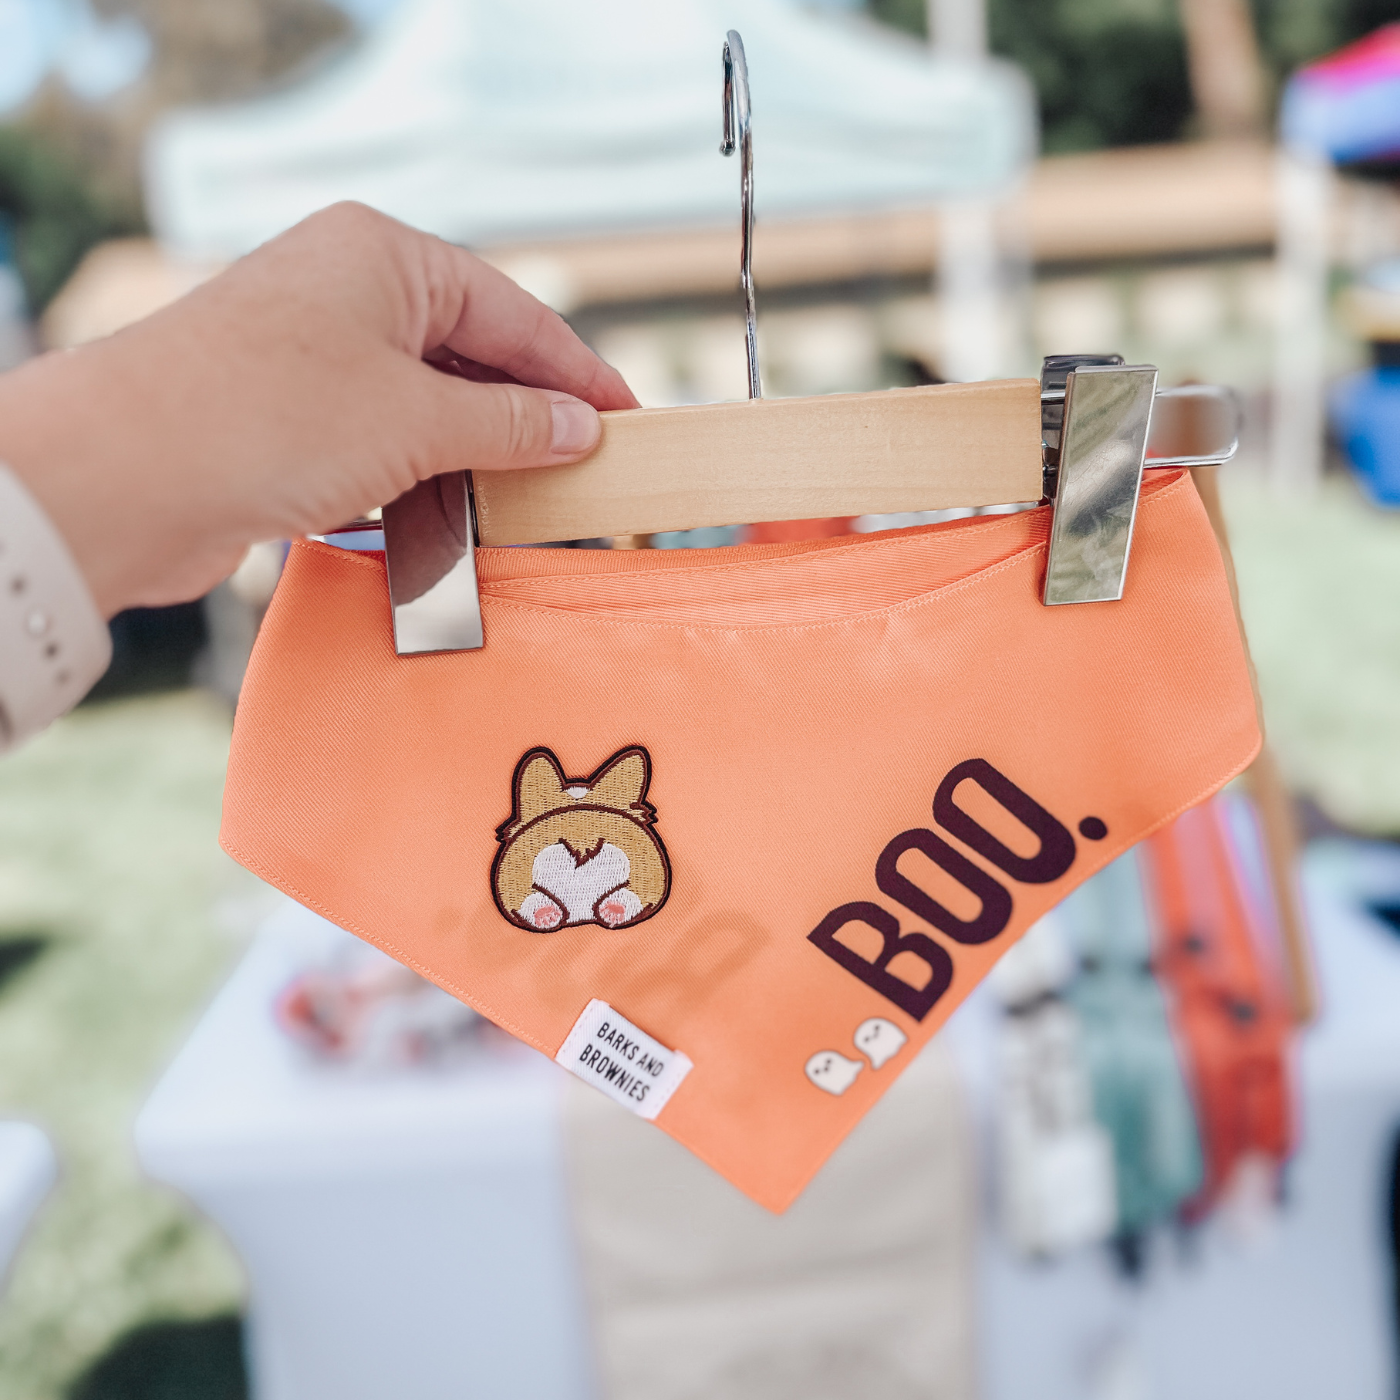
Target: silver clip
[[1103, 442], [1195, 425], [430, 555], [737, 130], [1103, 423]]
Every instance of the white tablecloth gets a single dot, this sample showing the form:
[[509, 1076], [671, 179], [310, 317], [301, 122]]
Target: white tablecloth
[[408, 1235]]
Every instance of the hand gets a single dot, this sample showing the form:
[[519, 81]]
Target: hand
[[289, 395]]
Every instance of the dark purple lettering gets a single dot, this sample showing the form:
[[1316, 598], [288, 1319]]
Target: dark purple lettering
[[996, 902], [1057, 849], [917, 1001]]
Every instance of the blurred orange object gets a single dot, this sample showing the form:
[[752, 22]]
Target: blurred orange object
[[1230, 1007], [741, 756], [793, 531]]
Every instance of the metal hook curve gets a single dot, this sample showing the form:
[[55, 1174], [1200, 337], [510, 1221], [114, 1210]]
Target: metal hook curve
[[737, 133]]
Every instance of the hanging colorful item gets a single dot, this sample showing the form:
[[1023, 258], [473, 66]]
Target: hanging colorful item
[[1176, 1008], [1216, 955], [1055, 1178], [1140, 1094]]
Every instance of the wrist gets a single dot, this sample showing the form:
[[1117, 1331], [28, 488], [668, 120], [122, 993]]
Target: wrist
[[50, 409], [53, 642]]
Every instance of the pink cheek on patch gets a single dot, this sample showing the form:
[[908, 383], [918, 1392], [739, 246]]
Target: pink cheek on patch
[[546, 916]]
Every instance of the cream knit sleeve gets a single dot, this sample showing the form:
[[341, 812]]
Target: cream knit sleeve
[[53, 641]]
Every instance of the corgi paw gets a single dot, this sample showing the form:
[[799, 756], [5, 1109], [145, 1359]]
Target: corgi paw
[[540, 912], [618, 908]]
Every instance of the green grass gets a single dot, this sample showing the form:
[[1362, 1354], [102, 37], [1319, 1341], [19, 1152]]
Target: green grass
[[1320, 592], [109, 864]]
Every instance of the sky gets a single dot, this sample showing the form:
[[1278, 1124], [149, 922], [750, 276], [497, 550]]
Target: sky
[[96, 58]]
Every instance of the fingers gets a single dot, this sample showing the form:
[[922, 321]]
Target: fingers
[[424, 294], [479, 313], [497, 427]]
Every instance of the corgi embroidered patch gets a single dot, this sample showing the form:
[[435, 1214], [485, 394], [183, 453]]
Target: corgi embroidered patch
[[580, 850]]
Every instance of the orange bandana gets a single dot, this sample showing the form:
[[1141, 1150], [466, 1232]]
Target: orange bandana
[[732, 832]]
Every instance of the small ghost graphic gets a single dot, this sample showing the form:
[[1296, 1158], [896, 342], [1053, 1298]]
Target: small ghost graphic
[[879, 1040], [833, 1072]]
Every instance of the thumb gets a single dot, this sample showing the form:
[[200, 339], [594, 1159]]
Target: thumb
[[501, 427]]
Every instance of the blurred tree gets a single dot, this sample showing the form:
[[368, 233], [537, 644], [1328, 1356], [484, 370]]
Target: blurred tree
[[1292, 32], [1107, 72], [1115, 72], [1227, 77], [216, 50], [202, 51], [54, 212], [70, 171]]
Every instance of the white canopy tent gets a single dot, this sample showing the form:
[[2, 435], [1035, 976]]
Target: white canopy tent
[[489, 121]]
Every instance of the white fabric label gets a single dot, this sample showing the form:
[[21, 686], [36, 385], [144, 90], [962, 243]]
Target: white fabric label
[[609, 1052]]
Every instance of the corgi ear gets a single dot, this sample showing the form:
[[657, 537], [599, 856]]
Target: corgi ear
[[622, 781], [539, 785]]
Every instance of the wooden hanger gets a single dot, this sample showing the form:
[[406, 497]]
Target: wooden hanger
[[1079, 439], [779, 459]]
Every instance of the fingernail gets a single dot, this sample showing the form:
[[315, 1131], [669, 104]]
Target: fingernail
[[576, 427]]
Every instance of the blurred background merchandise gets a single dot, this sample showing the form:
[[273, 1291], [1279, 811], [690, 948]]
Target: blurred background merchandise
[[1148, 225]]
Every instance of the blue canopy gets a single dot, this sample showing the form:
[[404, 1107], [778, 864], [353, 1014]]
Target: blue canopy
[[1347, 106]]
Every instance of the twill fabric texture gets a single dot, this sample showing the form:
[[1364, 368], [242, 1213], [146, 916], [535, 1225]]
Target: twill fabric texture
[[781, 807]]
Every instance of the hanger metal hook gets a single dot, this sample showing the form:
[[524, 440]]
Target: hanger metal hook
[[737, 133]]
